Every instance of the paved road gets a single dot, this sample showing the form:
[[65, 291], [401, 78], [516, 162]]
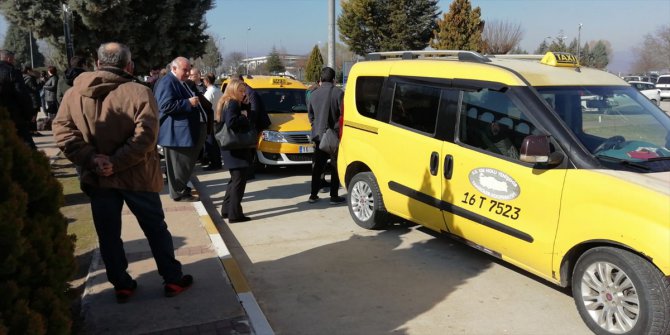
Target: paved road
[[313, 271]]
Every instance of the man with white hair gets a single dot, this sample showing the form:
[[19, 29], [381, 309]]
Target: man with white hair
[[183, 128]]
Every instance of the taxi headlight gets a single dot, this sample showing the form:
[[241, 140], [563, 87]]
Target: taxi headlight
[[273, 136]]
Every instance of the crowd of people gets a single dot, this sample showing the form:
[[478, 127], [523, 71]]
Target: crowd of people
[[108, 124]]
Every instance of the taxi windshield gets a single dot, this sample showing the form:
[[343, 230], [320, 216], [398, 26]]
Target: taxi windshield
[[615, 123], [283, 100]]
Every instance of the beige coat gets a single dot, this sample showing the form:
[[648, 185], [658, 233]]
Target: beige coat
[[106, 113]]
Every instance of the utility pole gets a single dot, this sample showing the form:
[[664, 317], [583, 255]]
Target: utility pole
[[69, 46], [331, 33], [247, 52], [30, 42]]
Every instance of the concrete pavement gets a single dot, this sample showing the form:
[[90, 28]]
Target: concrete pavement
[[219, 302]]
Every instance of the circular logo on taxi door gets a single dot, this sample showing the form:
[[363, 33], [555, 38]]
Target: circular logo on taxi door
[[494, 183]]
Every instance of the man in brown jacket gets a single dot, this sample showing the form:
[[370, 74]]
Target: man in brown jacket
[[107, 124]]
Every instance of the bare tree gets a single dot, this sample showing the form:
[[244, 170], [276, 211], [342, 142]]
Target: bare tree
[[233, 63], [654, 51], [501, 37]]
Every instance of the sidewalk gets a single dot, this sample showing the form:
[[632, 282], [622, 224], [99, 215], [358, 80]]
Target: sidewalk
[[218, 303]]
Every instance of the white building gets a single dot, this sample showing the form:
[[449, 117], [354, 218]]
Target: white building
[[291, 63]]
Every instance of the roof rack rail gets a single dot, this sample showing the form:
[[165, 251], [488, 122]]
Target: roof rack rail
[[461, 55], [517, 56]]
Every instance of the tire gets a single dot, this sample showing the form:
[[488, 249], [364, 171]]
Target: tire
[[365, 202], [618, 292]]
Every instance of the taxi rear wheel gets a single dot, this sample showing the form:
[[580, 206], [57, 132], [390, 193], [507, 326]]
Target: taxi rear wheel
[[365, 202], [618, 292]]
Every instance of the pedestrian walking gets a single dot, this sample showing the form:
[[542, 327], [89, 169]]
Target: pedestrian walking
[[107, 125], [324, 111], [50, 95], [213, 153]]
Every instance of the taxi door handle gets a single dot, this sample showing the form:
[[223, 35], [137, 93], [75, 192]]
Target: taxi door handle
[[448, 166], [434, 159]]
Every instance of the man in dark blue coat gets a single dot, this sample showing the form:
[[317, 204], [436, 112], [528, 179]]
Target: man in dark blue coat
[[183, 128]]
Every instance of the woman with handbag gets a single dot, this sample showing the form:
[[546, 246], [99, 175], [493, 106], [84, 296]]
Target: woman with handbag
[[229, 113]]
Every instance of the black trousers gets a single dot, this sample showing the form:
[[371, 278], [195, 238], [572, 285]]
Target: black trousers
[[212, 151], [319, 161], [106, 206], [232, 201]]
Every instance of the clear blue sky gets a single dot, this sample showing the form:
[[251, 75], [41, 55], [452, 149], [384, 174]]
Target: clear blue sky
[[295, 26]]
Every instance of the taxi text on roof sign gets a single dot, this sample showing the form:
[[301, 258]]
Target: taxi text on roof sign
[[279, 81], [560, 59]]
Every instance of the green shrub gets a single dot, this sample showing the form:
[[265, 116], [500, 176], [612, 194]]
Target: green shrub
[[36, 254]]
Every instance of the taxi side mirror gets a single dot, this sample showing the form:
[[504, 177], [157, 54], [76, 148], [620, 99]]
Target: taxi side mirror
[[536, 149]]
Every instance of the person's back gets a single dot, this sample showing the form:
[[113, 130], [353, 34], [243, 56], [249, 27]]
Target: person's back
[[107, 125], [15, 97]]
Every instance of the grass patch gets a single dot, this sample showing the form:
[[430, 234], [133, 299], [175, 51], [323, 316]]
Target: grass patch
[[77, 210]]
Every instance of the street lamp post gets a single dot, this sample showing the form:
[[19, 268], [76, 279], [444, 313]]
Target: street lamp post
[[247, 52], [579, 42]]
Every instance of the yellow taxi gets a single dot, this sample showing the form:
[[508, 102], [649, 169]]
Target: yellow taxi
[[287, 141], [558, 169]]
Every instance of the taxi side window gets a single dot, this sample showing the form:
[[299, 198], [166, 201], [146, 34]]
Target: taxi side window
[[415, 106], [368, 90], [490, 120]]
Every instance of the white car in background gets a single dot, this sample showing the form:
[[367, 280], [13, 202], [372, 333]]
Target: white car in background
[[649, 90], [663, 83]]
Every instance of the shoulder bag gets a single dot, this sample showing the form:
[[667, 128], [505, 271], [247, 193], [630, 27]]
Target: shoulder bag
[[330, 140], [230, 139]]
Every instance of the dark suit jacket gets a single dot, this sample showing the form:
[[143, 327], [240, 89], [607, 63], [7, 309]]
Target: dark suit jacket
[[179, 122], [319, 107]]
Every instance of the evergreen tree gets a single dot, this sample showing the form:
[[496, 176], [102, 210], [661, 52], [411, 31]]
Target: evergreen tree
[[156, 31], [17, 40], [274, 64], [572, 48], [599, 55], [314, 65], [211, 59], [542, 48], [36, 254], [384, 25], [586, 59], [459, 29]]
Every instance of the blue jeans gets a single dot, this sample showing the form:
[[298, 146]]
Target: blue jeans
[[106, 206]]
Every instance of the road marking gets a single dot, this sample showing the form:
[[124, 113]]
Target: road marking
[[257, 319]]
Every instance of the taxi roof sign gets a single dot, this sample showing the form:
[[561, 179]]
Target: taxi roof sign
[[281, 81], [560, 59]]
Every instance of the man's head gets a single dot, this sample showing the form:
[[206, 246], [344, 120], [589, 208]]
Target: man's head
[[77, 61], [327, 75], [7, 56], [27, 70], [113, 54], [194, 75], [181, 68], [209, 79]]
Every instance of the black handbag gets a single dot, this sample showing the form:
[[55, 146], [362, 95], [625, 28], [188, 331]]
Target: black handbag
[[229, 139], [329, 140]]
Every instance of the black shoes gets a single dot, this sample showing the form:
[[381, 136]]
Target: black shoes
[[187, 198], [337, 200], [242, 219], [124, 294], [174, 289], [212, 167], [313, 198]]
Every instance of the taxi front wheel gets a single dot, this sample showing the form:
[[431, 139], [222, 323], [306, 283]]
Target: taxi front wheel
[[618, 292], [365, 202]]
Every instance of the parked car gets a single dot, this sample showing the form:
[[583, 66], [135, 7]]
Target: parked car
[[648, 89], [287, 141], [663, 84], [498, 152]]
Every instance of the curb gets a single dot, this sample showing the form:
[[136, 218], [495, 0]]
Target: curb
[[258, 322]]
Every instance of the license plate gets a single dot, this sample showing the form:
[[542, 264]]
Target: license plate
[[306, 149]]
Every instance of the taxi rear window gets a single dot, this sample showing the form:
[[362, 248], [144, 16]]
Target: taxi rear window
[[283, 100]]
